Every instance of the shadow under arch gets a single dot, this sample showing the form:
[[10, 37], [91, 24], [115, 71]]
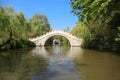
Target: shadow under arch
[[57, 40]]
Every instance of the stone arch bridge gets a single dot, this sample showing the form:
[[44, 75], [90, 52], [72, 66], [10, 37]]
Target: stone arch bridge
[[40, 41]]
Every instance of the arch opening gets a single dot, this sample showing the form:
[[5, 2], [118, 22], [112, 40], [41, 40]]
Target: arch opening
[[57, 40]]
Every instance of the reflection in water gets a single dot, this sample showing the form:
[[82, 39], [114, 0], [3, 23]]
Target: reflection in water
[[21, 66], [98, 66], [58, 63]]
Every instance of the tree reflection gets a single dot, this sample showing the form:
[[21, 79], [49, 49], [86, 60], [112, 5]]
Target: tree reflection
[[51, 50], [21, 65]]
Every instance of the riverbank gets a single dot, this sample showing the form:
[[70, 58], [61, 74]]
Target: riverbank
[[16, 44]]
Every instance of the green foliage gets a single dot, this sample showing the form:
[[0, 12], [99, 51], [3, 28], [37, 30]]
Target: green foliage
[[38, 25], [12, 24], [63, 41], [102, 19], [118, 37], [15, 29], [79, 30], [15, 44], [67, 30]]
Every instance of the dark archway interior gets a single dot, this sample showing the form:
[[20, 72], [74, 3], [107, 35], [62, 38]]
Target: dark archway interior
[[57, 40]]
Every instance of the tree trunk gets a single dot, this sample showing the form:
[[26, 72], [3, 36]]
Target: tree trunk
[[8, 41]]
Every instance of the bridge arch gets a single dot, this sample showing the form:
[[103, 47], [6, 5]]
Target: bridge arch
[[40, 41], [56, 35]]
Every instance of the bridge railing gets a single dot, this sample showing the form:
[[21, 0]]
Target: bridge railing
[[51, 32]]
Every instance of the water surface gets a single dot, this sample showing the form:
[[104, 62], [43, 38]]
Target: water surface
[[58, 63]]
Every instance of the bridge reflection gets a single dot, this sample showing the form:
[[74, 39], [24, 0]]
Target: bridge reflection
[[57, 52]]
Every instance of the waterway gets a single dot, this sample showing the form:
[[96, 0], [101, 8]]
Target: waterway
[[58, 63]]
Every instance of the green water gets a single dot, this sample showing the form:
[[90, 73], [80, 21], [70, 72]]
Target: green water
[[58, 63]]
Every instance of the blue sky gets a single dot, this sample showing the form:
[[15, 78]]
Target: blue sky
[[58, 12]]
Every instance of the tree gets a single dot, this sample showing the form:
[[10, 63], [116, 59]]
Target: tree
[[13, 29], [102, 18], [67, 30], [39, 25], [22, 26], [6, 24], [79, 30]]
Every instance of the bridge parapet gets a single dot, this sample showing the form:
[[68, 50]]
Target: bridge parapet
[[74, 41]]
